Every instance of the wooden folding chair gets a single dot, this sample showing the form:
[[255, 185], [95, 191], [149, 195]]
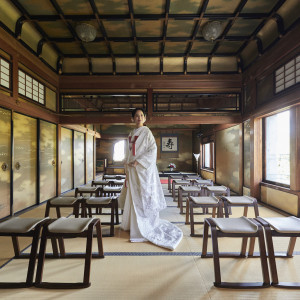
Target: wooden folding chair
[[29, 227], [69, 228]]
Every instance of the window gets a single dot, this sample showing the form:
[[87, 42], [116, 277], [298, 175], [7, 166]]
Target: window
[[119, 151], [4, 73], [287, 75], [208, 156], [31, 88], [277, 148]]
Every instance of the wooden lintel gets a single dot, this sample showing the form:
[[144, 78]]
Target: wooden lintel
[[163, 120], [186, 82], [82, 129], [28, 108]]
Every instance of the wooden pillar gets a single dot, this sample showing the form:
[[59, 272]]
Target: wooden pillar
[[241, 158], [58, 160], [150, 104], [295, 148], [255, 156]]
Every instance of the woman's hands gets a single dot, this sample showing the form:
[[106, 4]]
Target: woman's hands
[[133, 164]]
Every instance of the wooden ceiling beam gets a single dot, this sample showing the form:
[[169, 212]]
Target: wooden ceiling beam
[[215, 82], [156, 119]]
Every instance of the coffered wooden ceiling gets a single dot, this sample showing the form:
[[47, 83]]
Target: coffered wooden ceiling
[[148, 36]]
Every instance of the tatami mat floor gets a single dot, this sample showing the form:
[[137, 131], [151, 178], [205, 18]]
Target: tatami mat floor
[[145, 271]]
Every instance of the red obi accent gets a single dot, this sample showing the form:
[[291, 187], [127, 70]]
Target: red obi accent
[[132, 141]]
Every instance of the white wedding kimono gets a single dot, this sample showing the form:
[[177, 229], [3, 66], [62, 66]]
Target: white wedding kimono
[[142, 196]]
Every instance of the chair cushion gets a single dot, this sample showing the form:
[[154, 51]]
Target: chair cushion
[[189, 188], [235, 225], [100, 182], [284, 224], [240, 199], [112, 189], [69, 225], [86, 189], [204, 200], [180, 181], [200, 181], [98, 200], [217, 188], [63, 201], [20, 225]]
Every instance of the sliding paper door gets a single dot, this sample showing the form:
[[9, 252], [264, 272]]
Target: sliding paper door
[[24, 162], [89, 157], [47, 160], [78, 158], [66, 160], [5, 161]]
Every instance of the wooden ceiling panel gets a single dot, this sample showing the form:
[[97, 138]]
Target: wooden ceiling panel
[[148, 7], [167, 30]]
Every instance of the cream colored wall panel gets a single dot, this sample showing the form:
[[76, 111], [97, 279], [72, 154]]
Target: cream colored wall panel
[[149, 64], [125, 65], [78, 158], [102, 65], [207, 175], [50, 99], [246, 191], [9, 14], [48, 160], [25, 161], [197, 64], [66, 160], [50, 56], [173, 64], [89, 157], [75, 65], [5, 161], [30, 36], [284, 201], [227, 157]]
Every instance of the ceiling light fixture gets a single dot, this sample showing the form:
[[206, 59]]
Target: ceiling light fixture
[[86, 32], [211, 30]]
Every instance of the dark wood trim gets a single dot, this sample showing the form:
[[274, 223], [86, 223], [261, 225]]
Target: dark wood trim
[[255, 157], [163, 119], [58, 160], [85, 164], [295, 148], [27, 108], [280, 188], [241, 158], [186, 82], [38, 161]]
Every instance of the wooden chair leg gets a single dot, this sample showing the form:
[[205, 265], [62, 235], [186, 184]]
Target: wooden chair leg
[[216, 256], [192, 219], [291, 246], [33, 256], [205, 239], [263, 257], [112, 219], [16, 246], [58, 212], [47, 210], [41, 258], [244, 246], [88, 257], [245, 211], [187, 211]]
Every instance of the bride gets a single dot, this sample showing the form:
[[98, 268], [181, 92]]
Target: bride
[[142, 196]]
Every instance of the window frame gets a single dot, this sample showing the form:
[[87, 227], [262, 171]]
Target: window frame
[[212, 156], [114, 144], [32, 80], [264, 155], [295, 63], [9, 74]]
